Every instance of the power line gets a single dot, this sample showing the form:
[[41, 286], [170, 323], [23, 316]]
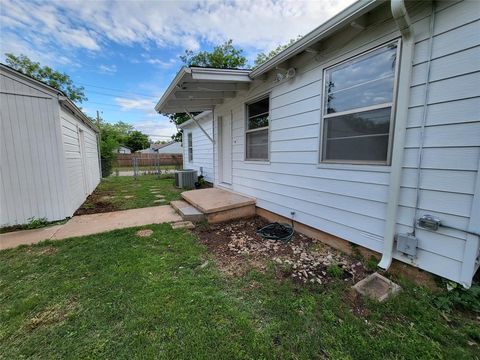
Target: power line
[[109, 94], [113, 89]]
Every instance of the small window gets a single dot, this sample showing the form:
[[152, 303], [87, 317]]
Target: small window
[[190, 147], [358, 102], [256, 134]]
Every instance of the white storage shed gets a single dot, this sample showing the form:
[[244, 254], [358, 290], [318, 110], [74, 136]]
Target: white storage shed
[[49, 159]]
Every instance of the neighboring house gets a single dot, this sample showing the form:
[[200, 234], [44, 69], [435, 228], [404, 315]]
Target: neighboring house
[[360, 128], [49, 151], [173, 147], [198, 145], [122, 149]]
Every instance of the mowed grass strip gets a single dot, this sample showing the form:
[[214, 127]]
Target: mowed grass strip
[[119, 295], [126, 192]]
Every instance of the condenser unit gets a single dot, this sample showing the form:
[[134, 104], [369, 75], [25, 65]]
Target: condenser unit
[[185, 179]]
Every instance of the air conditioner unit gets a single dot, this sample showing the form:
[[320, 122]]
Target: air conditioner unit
[[185, 179]]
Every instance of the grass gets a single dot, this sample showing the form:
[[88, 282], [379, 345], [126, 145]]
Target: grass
[[117, 295], [124, 192], [146, 168], [33, 223]]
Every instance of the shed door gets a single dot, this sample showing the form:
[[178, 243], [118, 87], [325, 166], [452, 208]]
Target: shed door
[[225, 160]]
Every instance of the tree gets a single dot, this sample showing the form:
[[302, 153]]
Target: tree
[[262, 57], [137, 141], [224, 56], [56, 79]]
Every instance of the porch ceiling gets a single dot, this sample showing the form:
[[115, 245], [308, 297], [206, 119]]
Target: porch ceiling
[[200, 89]]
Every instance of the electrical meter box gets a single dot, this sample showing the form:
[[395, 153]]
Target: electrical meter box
[[407, 244]]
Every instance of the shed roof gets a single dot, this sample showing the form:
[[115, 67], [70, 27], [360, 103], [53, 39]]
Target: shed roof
[[62, 98]]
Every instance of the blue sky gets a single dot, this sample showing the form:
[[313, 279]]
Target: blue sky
[[125, 53]]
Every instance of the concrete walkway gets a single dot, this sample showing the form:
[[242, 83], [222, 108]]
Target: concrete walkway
[[91, 224]]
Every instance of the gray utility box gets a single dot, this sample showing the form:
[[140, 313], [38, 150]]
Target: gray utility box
[[185, 179], [407, 244]]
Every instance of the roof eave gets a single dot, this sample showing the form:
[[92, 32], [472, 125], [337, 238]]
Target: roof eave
[[211, 75], [327, 28]]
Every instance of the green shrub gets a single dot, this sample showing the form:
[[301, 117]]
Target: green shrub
[[35, 223], [334, 270], [457, 297]]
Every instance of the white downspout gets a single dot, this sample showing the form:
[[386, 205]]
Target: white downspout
[[402, 20]]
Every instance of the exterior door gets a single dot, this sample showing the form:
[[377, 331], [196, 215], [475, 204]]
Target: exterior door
[[225, 160]]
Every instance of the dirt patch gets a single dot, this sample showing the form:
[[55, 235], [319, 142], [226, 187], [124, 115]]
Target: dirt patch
[[53, 315], [237, 249], [144, 233], [97, 203]]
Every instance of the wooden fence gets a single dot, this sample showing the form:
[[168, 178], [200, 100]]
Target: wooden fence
[[149, 159]]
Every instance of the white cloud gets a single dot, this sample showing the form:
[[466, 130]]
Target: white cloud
[[108, 69], [127, 104], [255, 24], [156, 129]]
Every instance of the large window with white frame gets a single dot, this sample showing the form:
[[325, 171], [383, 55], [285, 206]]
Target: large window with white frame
[[256, 133], [190, 146], [358, 107]]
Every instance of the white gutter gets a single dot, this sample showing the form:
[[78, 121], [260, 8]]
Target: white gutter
[[184, 70], [402, 20]]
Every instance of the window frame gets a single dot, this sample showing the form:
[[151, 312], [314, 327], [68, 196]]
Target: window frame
[[190, 147], [248, 131], [392, 105]]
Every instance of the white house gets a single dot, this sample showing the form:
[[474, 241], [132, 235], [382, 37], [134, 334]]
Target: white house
[[173, 147], [361, 128], [49, 159], [198, 145], [122, 149]]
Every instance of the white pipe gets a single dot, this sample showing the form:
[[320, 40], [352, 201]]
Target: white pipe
[[402, 20], [426, 96]]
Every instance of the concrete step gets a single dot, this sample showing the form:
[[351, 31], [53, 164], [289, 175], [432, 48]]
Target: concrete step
[[183, 225], [187, 211]]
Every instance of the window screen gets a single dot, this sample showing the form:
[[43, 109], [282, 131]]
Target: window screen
[[256, 133], [190, 147], [358, 101]]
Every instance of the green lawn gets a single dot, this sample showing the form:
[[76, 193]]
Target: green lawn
[[119, 296], [124, 192], [146, 168]]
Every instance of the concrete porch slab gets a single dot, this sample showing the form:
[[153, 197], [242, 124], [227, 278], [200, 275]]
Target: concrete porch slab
[[213, 200]]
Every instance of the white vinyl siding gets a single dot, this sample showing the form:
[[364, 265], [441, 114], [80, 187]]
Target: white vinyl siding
[[202, 147], [349, 201], [31, 159], [83, 177], [34, 181]]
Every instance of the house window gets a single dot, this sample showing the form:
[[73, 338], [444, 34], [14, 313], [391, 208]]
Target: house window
[[358, 106], [256, 134], [190, 147]]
